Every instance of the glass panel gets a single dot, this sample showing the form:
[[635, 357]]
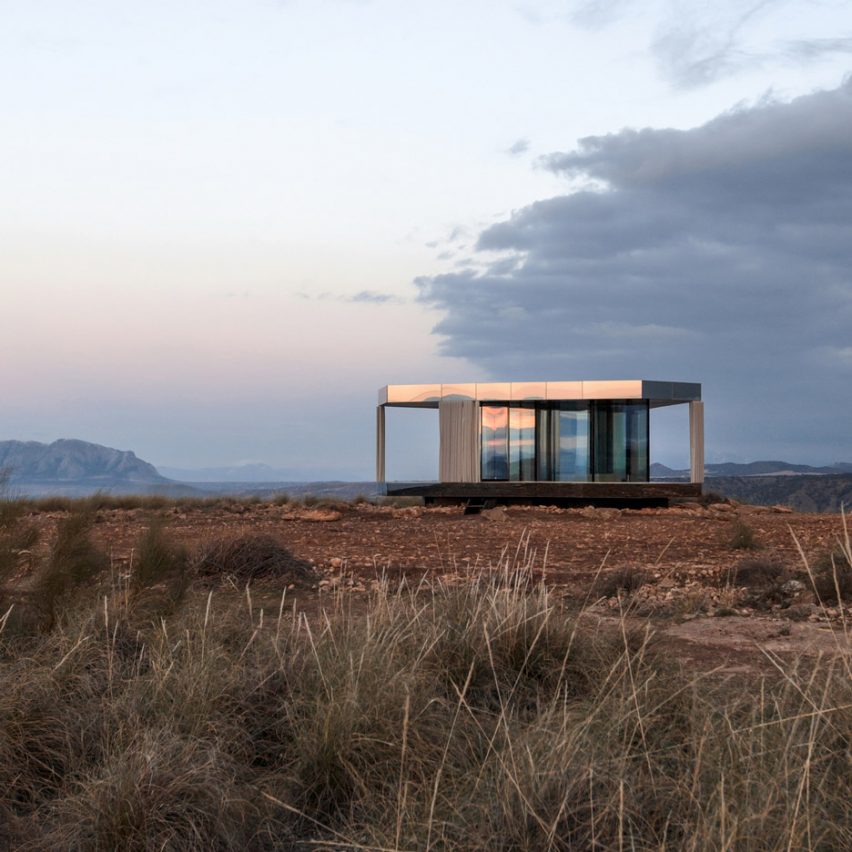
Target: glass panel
[[544, 423], [610, 442], [495, 444], [522, 444], [573, 437], [637, 437], [621, 441]]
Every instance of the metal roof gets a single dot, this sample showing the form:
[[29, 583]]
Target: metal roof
[[429, 396]]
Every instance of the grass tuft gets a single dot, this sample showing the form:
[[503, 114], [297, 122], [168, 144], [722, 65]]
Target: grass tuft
[[249, 557], [482, 716], [742, 536]]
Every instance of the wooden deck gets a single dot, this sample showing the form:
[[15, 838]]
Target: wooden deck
[[556, 493]]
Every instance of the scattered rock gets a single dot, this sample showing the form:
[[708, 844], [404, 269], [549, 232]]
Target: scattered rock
[[314, 515], [799, 612], [497, 513], [792, 587]]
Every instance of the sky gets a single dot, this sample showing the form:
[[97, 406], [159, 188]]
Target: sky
[[224, 225]]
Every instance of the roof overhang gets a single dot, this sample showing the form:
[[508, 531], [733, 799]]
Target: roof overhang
[[429, 396]]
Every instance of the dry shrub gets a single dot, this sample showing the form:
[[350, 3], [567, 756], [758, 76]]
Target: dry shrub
[[17, 539], [625, 580], [160, 575], [832, 576], [159, 791], [332, 504], [479, 717], [742, 536], [74, 566], [248, 557], [756, 572]]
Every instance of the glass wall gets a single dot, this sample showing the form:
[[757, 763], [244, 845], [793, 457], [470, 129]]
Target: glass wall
[[620, 441], [522, 443], [638, 416], [603, 441], [573, 456], [494, 442], [562, 442]]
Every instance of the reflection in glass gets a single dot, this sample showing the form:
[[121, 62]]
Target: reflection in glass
[[610, 442], [522, 444], [573, 458], [562, 441], [637, 437], [547, 437], [494, 436], [604, 441], [621, 441]]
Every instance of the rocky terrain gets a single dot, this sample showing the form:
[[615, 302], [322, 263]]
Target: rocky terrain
[[723, 582]]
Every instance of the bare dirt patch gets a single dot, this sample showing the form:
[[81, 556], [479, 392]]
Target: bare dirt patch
[[675, 566]]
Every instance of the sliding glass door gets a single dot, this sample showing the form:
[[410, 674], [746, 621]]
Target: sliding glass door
[[601, 441], [620, 441]]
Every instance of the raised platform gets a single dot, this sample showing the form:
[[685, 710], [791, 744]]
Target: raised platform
[[550, 493]]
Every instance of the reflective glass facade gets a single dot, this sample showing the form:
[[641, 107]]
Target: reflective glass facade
[[521, 443], [495, 442], [601, 441]]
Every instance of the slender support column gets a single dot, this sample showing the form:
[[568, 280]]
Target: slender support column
[[380, 444], [696, 441]]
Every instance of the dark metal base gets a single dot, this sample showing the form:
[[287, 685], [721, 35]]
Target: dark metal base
[[630, 494]]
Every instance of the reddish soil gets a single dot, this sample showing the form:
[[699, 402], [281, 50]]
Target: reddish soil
[[685, 555]]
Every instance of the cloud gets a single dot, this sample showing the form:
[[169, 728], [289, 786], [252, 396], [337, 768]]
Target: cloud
[[595, 14], [721, 254], [373, 297], [518, 147], [370, 297], [706, 42], [694, 43], [812, 49]]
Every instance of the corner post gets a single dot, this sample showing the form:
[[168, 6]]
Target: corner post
[[380, 444], [696, 442]]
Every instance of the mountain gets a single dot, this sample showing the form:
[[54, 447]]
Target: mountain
[[757, 468], [71, 460], [802, 492], [76, 468]]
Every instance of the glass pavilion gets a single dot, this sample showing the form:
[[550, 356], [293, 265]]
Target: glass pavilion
[[553, 434]]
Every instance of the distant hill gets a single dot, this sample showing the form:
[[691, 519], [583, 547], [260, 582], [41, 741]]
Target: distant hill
[[767, 483], [74, 468], [77, 468], [804, 493], [757, 468]]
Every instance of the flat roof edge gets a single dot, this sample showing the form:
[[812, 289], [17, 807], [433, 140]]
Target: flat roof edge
[[430, 395]]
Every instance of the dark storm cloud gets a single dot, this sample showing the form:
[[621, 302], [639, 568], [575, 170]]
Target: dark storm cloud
[[721, 254]]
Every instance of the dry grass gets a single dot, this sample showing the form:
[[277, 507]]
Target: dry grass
[[479, 717], [249, 557], [742, 536]]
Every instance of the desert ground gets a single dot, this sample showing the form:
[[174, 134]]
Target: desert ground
[[309, 674], [719, 601]]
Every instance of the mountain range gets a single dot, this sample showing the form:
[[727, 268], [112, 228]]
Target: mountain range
[[74, 468], [758, 468], [77, 468]]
